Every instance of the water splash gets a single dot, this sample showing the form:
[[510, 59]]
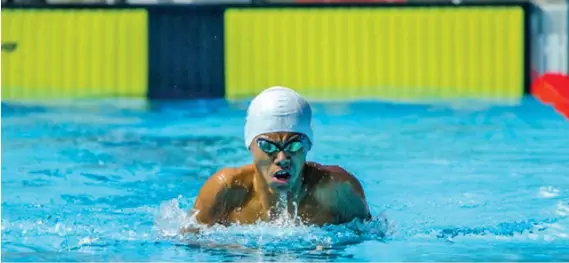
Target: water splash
[[285, 232], [170, 219]]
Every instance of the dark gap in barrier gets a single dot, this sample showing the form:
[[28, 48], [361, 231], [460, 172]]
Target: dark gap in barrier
[[527, 48], [186, 58]]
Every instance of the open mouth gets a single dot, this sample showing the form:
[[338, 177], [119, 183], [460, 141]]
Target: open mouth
[[281, 176]]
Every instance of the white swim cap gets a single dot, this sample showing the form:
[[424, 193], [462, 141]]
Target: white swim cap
[[278, 109]]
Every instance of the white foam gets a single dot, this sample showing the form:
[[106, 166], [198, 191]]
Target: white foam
[[548, 192], [277, 234]]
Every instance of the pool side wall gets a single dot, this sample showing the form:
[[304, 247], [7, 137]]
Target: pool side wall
[[401, 52], [58, 53]]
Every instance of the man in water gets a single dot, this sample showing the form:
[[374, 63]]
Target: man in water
[[278, 133]]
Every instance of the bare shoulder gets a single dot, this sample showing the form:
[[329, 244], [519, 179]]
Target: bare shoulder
[[223, 191], [224, 181], [333, 174], [234, 176], [338, 191]]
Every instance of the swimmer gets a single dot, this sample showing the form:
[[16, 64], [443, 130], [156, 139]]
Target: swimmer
[[278, 133]]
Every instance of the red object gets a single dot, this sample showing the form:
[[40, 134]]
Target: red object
[[553, 89]]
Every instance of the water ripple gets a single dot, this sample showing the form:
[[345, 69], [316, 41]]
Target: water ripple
[[114, 181]]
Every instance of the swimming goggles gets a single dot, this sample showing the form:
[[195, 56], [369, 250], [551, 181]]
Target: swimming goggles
[[271, 147]]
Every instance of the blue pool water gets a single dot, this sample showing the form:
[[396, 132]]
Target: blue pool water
[[113, 180]]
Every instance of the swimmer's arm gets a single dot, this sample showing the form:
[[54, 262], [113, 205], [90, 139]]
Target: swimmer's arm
[[211, 203], [345, 199]]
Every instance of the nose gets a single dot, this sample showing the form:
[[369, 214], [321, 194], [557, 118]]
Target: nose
[[282, 160]]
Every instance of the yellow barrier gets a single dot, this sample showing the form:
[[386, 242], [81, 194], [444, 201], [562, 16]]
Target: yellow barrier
[[74, 53], [392, 53]]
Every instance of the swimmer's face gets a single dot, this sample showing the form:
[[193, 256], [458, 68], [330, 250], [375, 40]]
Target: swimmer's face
[[279, 157]]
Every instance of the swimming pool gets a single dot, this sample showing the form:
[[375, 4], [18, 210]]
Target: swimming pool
[[112, 180]]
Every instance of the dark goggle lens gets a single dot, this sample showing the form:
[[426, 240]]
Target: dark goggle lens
[[270, 147], [267, 146], [294, 147]]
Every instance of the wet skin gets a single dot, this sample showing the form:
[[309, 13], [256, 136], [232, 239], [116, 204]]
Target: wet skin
[[317, 194]]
